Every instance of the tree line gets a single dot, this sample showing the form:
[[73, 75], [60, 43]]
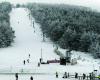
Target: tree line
[[6, 32], [71, 27]]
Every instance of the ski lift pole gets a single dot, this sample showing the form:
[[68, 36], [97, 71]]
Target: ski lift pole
[[41, 53], [41, 56]]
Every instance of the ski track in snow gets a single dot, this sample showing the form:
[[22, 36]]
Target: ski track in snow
[[28, 42]]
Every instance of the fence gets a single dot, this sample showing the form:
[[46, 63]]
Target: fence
[[38, 71]]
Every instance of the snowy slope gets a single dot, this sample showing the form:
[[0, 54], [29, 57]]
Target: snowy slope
[[29, 42], [26, 42]]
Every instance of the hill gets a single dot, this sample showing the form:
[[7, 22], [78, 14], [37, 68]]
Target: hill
[[73, 27]]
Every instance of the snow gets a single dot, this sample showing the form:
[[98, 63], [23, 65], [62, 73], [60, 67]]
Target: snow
[[35, 77], [29, 42], [26, 42]]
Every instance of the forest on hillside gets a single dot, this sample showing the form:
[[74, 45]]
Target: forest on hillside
[[6, 32], [71, 27]]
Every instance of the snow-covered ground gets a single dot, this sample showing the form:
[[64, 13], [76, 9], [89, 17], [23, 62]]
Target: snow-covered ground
[[26, 42], [29, 41], [35, 77]]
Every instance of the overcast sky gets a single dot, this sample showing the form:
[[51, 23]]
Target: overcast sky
[[95, 4]]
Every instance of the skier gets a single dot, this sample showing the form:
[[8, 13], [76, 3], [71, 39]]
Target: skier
[[31, 78], [29, 55], [24, 62], [90, 76], [28, 60], [76, 75], [38, 64], [84, 76], [40, 60], [65, 75], [56, 74], [16, 75]]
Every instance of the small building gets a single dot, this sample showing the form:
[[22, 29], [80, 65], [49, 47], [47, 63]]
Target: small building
[[62, 61]]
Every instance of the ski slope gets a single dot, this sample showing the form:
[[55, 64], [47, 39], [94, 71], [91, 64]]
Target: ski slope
[[26, 42], [29, 40]]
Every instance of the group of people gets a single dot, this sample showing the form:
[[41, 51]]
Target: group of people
[[28, 60], [83, 77], [16, 76]]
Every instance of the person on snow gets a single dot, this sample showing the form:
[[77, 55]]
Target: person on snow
[[65, 75], [31, 78], [56, 74], [24, 62], [40, 60], [84, 76], [76, 75], [27, 60], [38, 64], [16, 75], [29, 55], [90, 76]]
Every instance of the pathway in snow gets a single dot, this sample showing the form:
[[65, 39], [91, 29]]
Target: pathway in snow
[[26, 42]]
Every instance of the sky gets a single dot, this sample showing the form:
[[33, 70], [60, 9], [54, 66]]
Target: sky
[[95, 4]]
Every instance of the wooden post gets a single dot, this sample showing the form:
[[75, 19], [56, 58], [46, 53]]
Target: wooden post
[[41, 53], [79, 77]]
